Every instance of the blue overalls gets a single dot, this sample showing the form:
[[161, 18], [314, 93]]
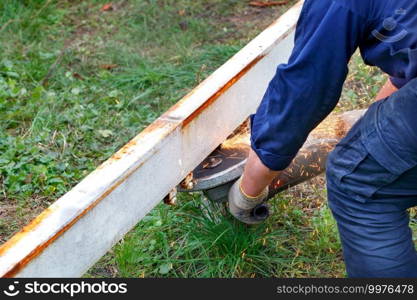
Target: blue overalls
[[372, 173], [371, 182]]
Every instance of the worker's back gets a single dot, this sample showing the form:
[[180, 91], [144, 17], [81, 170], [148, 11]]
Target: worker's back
[[327, 35], [390, 39]]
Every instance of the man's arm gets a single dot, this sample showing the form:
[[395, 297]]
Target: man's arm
[[257, 176], [303, 92]]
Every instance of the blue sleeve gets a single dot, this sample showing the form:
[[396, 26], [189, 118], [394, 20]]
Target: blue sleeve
[[304, 91]]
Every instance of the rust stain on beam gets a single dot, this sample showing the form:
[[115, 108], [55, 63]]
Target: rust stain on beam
[[220, 92], [33, 224], [38, 250], [128, 148], [25, 230], [162, 123]]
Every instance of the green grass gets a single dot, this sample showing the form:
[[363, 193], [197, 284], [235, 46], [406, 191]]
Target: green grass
[[77, 83], [194, 240]]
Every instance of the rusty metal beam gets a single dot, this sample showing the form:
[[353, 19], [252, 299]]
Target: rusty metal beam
[[80, 227]]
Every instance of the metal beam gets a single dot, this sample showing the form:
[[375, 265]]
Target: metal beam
[[74, 232]]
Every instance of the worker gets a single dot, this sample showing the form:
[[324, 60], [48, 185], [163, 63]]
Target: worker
[[372, 172]]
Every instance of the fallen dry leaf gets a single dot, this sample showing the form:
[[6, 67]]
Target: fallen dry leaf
[[78, 76], [267, 3], [108, 66], [107, 7]]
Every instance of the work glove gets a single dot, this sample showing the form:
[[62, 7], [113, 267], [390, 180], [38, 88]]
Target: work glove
[[241, 206]]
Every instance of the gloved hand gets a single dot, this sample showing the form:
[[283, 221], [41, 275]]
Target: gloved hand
[[241, 205]]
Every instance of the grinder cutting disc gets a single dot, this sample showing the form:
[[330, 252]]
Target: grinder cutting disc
[[222, 167], [216, 174]]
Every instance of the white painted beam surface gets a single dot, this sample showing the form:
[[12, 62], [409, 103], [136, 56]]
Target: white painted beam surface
[[80, 227]]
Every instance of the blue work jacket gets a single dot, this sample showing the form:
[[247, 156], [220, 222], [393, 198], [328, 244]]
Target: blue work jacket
[[306, 89]]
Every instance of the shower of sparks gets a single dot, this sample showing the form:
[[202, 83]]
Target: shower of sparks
[[332, 127], [310, 160], [239, 139]]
